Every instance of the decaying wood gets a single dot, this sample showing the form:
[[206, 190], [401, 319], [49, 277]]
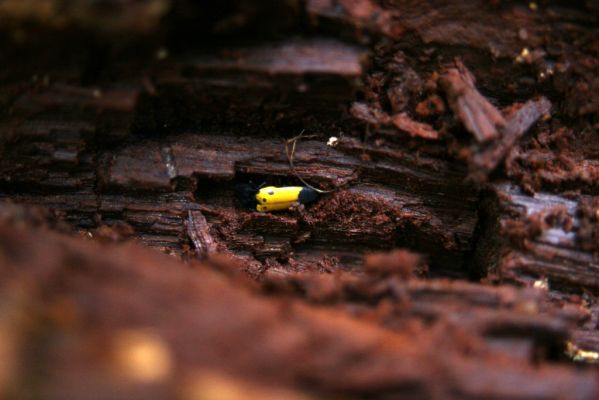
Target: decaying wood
[[199, 233], [134, 120], [544, 240], [479, 116], [143, 171], [84, 283], [363, 16], [396, 124], [414, 128], [495, 133], [313, 76], [540, 237], [484, 160]]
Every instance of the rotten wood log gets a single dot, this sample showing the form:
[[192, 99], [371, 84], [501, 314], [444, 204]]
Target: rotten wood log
[[121, 134], [79, 286], [417, 201], [514, 324]]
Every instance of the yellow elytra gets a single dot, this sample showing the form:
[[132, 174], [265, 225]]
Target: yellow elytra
[[272, 198]]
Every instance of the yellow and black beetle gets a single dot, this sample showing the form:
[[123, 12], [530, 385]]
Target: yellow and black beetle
[[272, 198]]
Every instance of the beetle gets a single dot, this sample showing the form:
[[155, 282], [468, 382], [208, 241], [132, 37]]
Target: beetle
[[273, 198]]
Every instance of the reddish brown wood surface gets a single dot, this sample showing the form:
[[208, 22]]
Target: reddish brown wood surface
[[459, 140]]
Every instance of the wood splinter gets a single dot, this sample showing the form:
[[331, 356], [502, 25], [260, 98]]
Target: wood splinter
[[477, 114], [199, 233], [495, 133], [520, 119]]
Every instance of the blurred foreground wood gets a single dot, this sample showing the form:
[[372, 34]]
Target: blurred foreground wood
[[120, 321]]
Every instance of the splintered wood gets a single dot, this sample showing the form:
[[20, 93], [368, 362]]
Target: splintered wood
[[414, 128], [198, 230], [542, 236], [495, 133], [479, 116], [545, 241], [362, 112], [520, 118]]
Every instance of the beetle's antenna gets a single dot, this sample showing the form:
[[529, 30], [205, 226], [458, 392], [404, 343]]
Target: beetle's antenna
[[291, 155]]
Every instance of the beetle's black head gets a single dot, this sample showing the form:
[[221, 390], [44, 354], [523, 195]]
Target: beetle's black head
[[246, 195]]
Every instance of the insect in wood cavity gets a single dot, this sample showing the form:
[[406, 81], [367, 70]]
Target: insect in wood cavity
[[273, 198]]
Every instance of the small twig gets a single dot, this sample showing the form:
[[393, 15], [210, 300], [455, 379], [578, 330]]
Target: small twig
[[198, 231], [291, 155], [477, 114], [485, 160]]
